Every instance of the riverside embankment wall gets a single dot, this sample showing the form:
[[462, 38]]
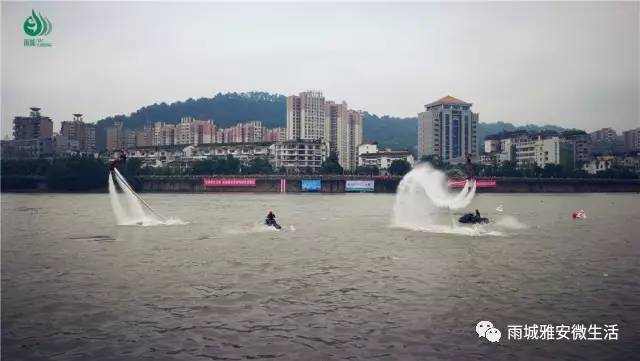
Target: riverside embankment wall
[[336, 184]]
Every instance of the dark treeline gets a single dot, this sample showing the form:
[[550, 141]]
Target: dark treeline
[[67, 174], [509, 169]]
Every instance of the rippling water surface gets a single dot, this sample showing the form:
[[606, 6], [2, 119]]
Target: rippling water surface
[[339, 283]]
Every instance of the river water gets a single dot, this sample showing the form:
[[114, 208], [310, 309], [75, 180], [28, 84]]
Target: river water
[[338, 284]]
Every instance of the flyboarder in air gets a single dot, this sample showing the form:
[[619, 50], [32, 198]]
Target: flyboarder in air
[[121, 159], [469, 167], [470, 217]]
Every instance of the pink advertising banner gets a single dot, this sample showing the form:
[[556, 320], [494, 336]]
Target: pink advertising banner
[[480, 183], [229, 182]]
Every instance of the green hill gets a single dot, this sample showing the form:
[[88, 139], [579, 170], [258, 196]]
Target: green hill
[[225, 109]]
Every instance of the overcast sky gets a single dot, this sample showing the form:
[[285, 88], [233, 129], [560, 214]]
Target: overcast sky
[[569, 64]]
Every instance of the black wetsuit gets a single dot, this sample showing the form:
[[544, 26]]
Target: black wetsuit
[[271, 219]]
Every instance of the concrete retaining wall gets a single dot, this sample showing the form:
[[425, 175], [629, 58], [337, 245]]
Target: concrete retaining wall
[[336, 184]]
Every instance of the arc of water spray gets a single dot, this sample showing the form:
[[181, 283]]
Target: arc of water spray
[[118, 210], [423, 195], [463, 200], [124, 182]]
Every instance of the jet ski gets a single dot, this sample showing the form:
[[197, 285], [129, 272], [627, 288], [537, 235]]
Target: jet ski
[[471, 218], [272, 223]]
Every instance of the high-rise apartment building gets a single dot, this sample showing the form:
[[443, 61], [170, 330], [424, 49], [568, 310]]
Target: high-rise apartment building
[[163, 134], [603, 135], [606, 141], [581, 144], [144, 137], [83, 133], [355, 137], [193, 132], [34, 126], [120, 138], [306, 116], [447, 129], [252, 131], [116, 137], [337, 131], [274, 134], [631, 140], [310, 117]]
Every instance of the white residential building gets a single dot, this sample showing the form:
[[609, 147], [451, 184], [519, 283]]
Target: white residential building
[[545, 151], [298, 155], [502, 147], [166, 155], [370, 155]]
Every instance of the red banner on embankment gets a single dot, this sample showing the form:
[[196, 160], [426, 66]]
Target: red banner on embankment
[[229, 182], [480, 183]]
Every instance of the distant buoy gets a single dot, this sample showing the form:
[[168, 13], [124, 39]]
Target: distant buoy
[[579, 215]]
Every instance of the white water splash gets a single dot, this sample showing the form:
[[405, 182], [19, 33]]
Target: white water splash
[[129, 209], [510, 222], [424, 203], [259, 228]]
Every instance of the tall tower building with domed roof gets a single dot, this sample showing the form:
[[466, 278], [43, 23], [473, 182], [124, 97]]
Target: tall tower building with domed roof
[[448, 129]]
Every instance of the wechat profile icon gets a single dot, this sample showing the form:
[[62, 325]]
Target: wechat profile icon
[[485, 329]]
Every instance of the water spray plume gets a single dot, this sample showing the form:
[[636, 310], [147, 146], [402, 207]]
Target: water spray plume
[[128, 207], [423, 199]]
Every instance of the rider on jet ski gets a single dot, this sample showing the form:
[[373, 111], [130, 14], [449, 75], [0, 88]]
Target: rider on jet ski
[[271, 217], [271, 220], [473, 218]]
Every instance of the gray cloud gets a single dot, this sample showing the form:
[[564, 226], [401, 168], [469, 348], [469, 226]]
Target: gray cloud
[[570, 64]]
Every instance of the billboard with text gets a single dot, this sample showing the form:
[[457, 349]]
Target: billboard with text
[[310, 185], [359, 186]]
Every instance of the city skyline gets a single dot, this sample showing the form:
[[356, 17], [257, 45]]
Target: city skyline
[[566, 71]]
